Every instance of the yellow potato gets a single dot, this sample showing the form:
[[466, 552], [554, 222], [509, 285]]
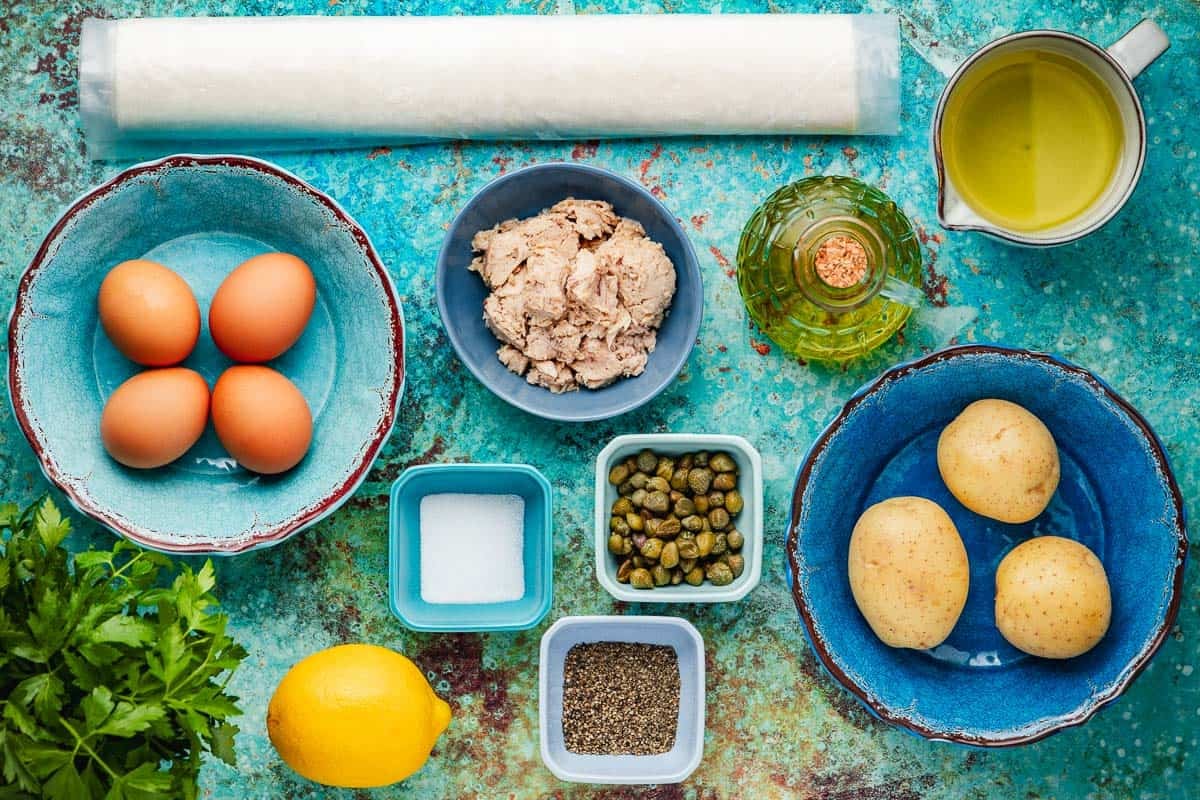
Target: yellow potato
[[999, 460], [1052, 598], [908, 572]]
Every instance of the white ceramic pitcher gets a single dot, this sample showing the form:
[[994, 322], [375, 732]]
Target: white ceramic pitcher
[[1116, 67]]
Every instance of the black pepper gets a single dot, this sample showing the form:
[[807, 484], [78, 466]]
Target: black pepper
[[620, 698]]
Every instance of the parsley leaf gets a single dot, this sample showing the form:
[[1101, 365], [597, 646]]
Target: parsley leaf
[[113, 667]]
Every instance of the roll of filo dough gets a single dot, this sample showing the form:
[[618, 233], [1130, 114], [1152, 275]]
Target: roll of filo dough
[[147, 84]]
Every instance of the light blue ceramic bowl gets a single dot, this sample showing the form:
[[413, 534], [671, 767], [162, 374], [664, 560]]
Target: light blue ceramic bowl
[[404, 547], [525, 193], [202, 216], [1117, 495], [673, 766]]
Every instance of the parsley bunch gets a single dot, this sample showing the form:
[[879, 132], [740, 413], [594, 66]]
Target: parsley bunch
[[111, 684]]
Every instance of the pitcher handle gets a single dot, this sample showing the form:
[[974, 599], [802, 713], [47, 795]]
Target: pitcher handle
[[1136, 50]]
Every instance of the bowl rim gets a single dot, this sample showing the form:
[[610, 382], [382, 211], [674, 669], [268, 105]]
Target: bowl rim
[[315, 511], [705, 593], [546, 564], [695, 741], [1088, 709], [691, 264]]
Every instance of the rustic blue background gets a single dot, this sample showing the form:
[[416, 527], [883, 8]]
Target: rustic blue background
[[1123, 303]]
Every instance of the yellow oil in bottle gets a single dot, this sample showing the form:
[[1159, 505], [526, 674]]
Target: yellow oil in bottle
[[812, 315]]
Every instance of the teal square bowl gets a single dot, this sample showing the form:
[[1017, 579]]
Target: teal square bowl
[[404, 548]]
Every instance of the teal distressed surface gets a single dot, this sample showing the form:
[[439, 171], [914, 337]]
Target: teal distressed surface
[[1123, 303]]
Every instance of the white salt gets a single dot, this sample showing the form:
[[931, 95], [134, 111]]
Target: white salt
[[471, 548]]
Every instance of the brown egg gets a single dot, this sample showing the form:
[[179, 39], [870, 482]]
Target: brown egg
[[261, 309], [261, 418], [149, 313], [154, 417]]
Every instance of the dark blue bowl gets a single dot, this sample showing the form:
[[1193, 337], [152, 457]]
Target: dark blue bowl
[[1117, 495], [524, 193]]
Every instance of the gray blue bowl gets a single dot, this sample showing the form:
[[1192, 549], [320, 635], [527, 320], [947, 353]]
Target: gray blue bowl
[[202, 216], [1117, 495], [525, 193]]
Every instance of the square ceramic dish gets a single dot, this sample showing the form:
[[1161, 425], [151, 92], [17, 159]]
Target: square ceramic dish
[[749, 521], [404, 547], [675, 765]]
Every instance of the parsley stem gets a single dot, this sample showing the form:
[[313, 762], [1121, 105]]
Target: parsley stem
[[117, 573], [80, 742]]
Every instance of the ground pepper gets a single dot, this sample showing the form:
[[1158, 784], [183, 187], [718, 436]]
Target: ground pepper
[[620, 698]]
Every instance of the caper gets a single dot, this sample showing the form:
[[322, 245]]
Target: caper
[[722, 462], [718, 518], [652, 548], [672, 521], [719, 574], [657, 484], [658, 502], [725, 481], [668, 527], [641, 579], [669, 556], [699, 479]]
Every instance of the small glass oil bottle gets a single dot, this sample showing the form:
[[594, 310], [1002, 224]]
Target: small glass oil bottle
[[828, 268]]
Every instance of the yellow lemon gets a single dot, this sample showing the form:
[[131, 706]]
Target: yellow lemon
[[356, 715]]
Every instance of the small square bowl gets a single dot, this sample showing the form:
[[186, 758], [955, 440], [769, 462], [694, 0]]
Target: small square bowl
[[673, 766], [749, 521], [404, 547]]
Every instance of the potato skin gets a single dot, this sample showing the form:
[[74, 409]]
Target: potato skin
[[999, 460], [1052, 598], [908, 572]]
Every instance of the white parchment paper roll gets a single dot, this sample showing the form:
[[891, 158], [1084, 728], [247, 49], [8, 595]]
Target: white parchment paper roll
[[148, 84]]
